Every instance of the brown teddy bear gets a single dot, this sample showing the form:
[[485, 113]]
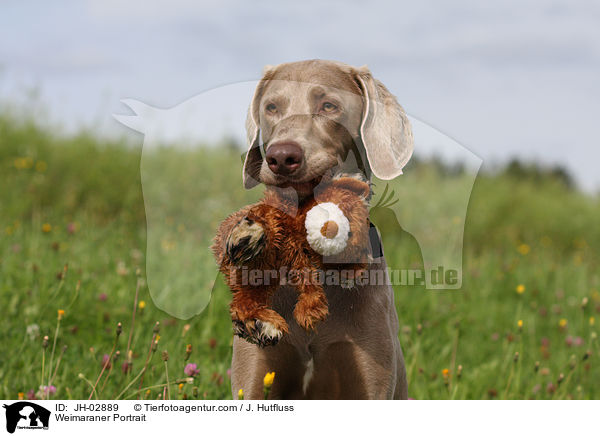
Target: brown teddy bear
[[330, 229]]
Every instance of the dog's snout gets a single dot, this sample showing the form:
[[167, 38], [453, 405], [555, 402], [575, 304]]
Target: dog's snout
[[284, 157]]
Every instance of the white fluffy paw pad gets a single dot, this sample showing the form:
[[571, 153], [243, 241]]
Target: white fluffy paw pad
[[268, 330], [267, 334], [261, 333]]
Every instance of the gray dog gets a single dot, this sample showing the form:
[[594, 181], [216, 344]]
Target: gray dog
[[312, 115]]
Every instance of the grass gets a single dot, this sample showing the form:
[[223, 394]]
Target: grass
[[73, 238]]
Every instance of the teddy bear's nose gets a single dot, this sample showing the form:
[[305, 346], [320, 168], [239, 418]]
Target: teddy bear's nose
[[329, 229], [284, 157]]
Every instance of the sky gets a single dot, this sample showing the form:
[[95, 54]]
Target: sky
[[504, 79]]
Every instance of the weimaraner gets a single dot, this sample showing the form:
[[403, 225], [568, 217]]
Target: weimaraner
[[312, 116]]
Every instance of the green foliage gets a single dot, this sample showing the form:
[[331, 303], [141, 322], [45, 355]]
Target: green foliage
[[78, 201]]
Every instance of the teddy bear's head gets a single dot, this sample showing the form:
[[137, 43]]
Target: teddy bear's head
[[337, 225]]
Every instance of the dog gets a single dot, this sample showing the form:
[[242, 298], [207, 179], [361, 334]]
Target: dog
[[314, 116]]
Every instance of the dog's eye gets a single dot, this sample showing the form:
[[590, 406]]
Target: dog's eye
[[271, 108], [328, 107]]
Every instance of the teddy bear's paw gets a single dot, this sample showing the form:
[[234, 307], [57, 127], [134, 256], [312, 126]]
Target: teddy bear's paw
[[268, 333], [256, 331], [308, 313], [245, 330], [246, 240]]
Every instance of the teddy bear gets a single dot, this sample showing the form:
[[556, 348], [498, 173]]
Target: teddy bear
[[330, 229]]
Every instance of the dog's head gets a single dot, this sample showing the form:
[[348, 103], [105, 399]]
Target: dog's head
[[316, 115]]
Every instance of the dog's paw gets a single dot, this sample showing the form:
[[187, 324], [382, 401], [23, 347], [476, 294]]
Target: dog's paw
[[245, 241], [255, 331]]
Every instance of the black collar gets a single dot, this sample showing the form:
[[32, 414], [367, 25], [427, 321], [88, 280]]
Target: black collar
[[375, 240]]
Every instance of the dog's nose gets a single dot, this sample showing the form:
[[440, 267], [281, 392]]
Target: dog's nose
[[284, 157]]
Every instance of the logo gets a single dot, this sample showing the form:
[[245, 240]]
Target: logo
[[26, 415]]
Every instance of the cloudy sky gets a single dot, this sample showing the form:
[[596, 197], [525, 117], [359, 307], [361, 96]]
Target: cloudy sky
[[514, 78]]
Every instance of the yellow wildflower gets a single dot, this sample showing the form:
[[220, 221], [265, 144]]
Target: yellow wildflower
[[142, 305], [61, 313], [520, 323], [592, 320], [21, 395], [22, 163], [180, 386], [562, 323], [524, 249], [241, 394], [520, 289], [268, 380], [445, 372], [46, 228]]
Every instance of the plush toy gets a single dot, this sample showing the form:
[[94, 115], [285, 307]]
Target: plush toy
[[254, 245]]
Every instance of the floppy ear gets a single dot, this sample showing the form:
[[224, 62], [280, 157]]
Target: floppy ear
[[385, 130], [253, 161]]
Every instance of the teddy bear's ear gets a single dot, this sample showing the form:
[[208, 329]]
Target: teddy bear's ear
[[356, 185]]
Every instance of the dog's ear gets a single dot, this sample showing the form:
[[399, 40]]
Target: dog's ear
[[385, 130], [253, 161]]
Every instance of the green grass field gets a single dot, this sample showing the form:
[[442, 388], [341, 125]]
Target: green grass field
[[78, 201]]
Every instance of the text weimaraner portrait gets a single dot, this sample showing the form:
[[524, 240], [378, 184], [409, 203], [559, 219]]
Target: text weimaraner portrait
[[306, 119]]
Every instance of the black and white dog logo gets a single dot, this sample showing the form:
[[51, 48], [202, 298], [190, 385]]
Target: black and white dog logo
[[26, 415]]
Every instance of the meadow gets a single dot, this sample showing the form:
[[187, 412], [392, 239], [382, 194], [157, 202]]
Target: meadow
[[78, 320]]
